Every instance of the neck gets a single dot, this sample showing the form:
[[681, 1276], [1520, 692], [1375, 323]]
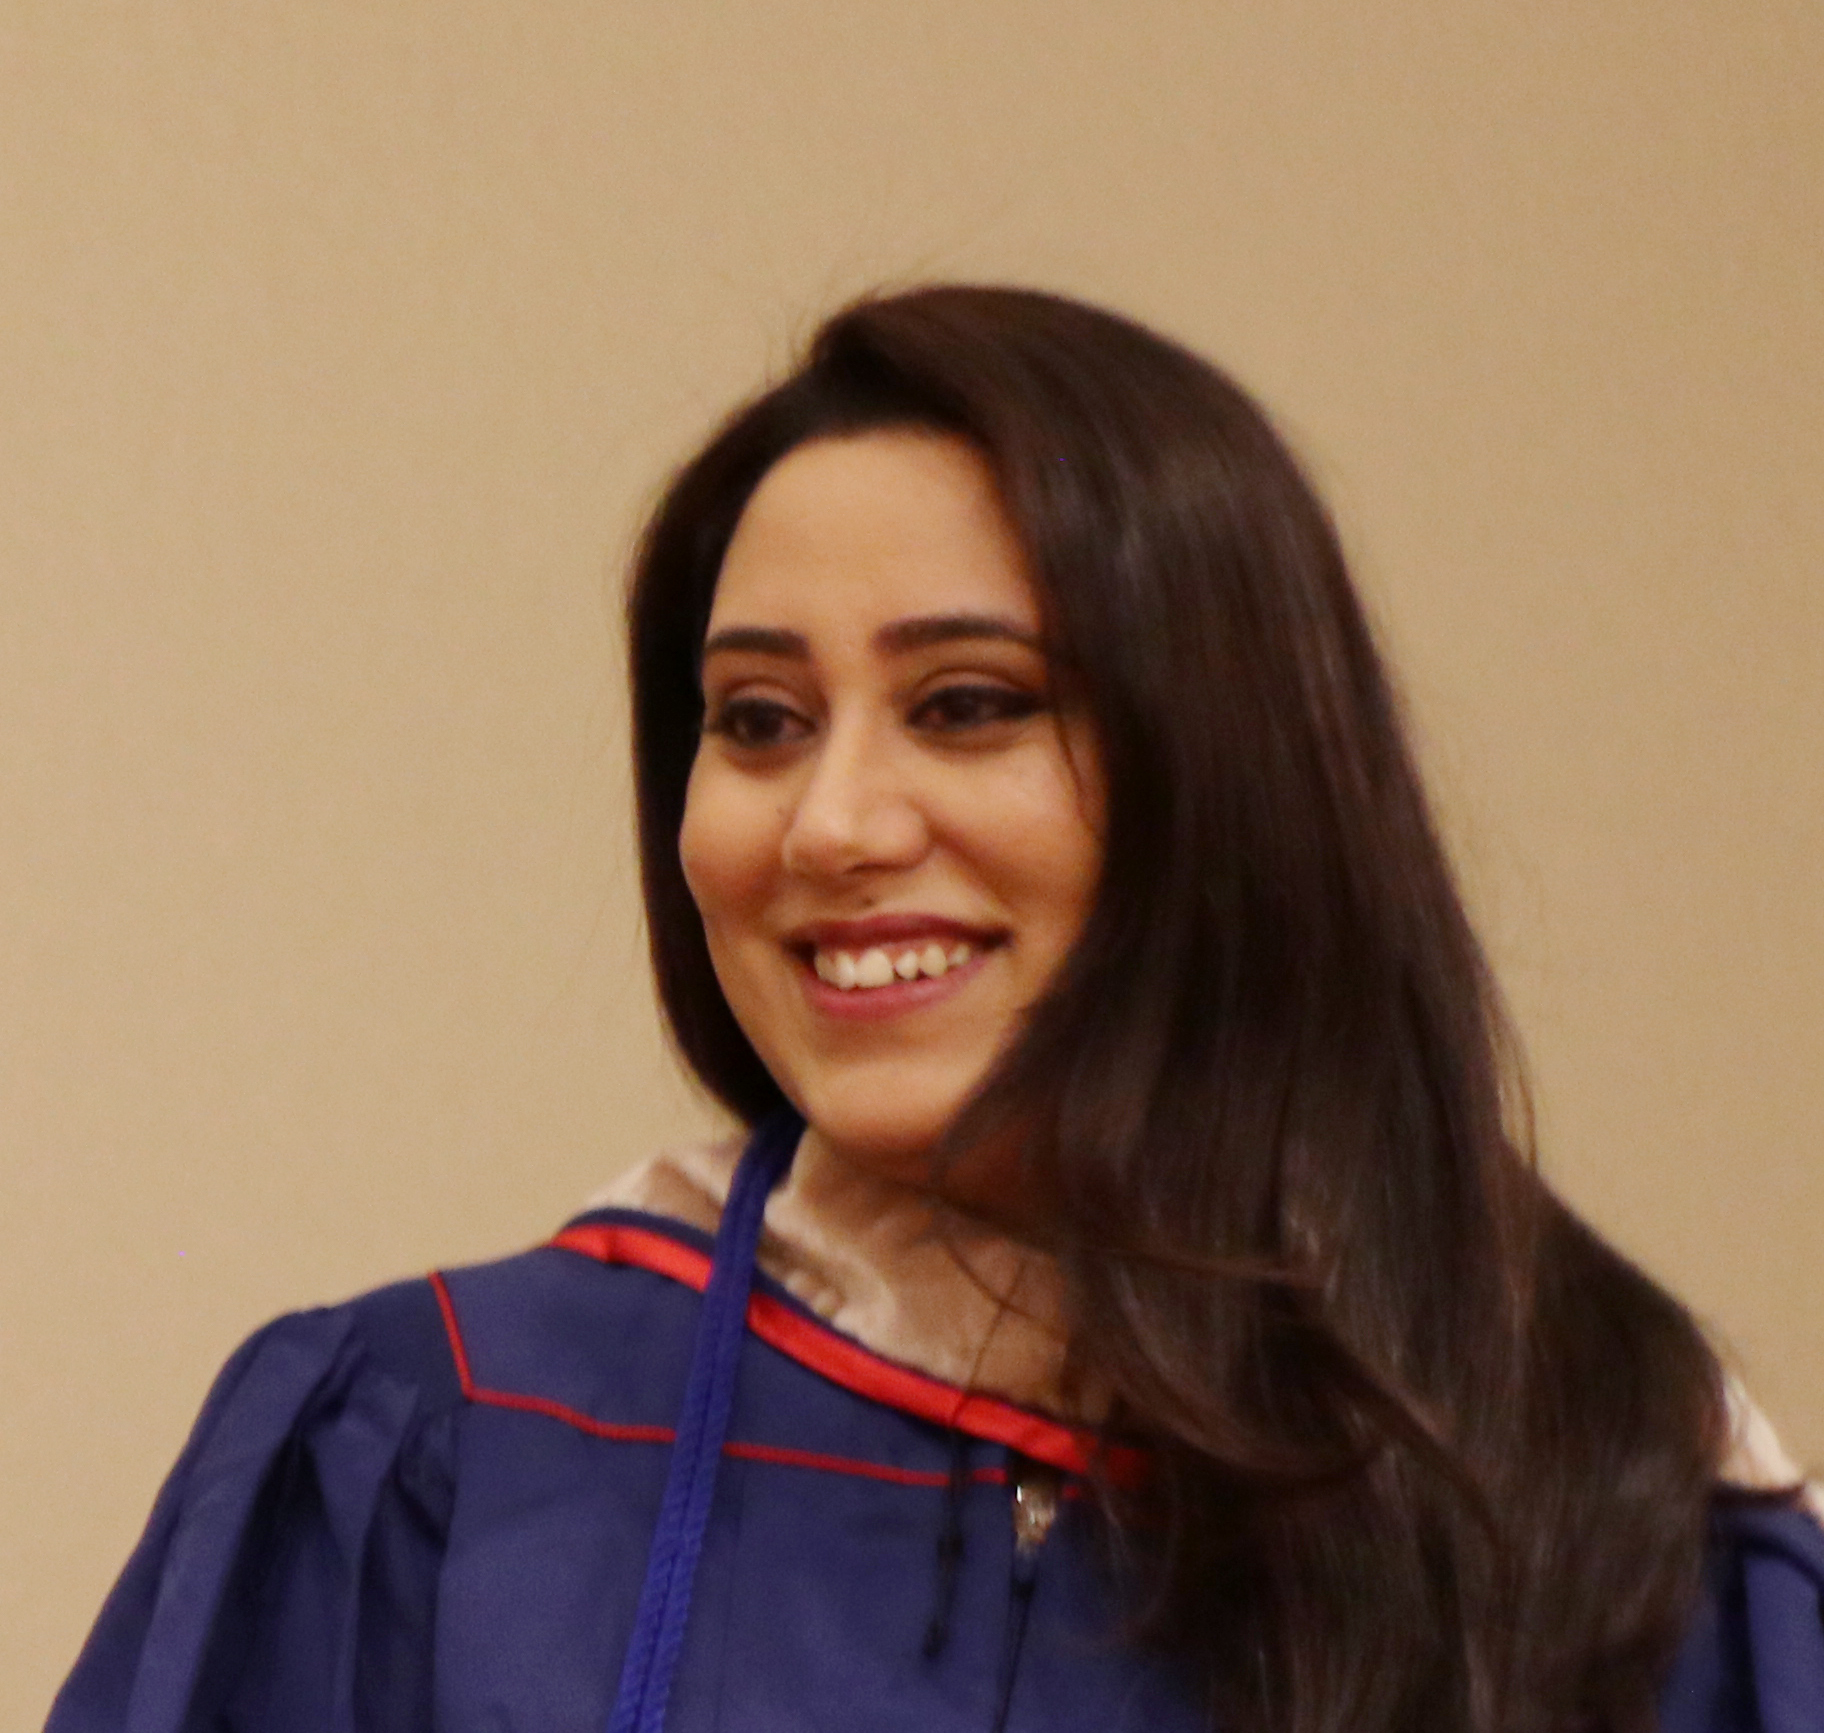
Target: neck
[[911, 1263], [884, 1206]]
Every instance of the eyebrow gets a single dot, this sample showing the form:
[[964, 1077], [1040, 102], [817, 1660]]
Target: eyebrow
[[893, 639]]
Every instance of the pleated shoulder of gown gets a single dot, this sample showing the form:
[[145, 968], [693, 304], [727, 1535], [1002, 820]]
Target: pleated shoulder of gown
[[287, 1576]]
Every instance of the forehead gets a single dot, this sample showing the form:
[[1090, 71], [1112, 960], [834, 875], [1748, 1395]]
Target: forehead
[[861, 529]]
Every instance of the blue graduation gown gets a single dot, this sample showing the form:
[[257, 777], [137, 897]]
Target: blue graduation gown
[[431, 1508]]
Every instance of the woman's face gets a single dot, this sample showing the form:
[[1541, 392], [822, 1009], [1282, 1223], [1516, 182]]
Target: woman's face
[[893, 822]]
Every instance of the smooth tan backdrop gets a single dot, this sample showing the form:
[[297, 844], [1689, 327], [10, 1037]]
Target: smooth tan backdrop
[[340, 346]]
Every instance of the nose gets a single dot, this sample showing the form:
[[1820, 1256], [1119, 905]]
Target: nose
[[856, 810]]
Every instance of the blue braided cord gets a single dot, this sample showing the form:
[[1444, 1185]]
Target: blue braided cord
[[690, 1483]]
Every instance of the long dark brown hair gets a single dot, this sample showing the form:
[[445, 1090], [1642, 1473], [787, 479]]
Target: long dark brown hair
[[1429, 1454]]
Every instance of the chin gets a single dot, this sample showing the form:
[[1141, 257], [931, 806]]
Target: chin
[[899, 1143], [883, 1110], [882, 1123]]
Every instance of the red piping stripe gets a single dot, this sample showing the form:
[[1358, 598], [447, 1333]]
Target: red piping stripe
[[815, 1459], [474, 1392], [615, 1243], [854, 1367], [458, 1352], [574, 1417], [778, 1454]]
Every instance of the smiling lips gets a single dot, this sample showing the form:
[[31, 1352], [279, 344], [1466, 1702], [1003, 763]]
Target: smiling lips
[[887, 960], [881, 966]]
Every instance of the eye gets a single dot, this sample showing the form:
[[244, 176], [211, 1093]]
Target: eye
[[955, 709], [754, 724]]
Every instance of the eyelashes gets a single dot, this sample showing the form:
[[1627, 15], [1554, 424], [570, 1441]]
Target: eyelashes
[[953, 709], [755, 724]]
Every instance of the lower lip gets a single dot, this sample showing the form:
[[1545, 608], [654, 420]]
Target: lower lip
[[877, 1004]]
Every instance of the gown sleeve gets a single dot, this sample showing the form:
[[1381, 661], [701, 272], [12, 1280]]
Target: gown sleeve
[[287, 1576], [1753, 1661]]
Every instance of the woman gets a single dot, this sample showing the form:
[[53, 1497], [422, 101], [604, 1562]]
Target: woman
[[1159, 1325]]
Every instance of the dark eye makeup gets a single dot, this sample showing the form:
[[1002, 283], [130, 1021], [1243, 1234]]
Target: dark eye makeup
[[755, 724], [952, 709]]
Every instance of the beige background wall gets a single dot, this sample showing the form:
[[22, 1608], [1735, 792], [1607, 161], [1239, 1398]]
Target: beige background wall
[[340, 345]]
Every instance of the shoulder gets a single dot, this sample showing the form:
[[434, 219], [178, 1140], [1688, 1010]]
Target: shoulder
[[304, 1362], [1753, 1657], [322, 1447], [416, 1334], [297, 1544], [400, 1357]]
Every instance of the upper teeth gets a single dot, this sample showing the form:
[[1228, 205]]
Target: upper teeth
[[878, 967]]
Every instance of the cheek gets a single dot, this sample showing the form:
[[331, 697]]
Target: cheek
[[1064, 888], [1049, 851], [1081, 816], [724, 846]]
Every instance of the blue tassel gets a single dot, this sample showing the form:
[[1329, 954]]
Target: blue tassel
[[690, 1483]]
